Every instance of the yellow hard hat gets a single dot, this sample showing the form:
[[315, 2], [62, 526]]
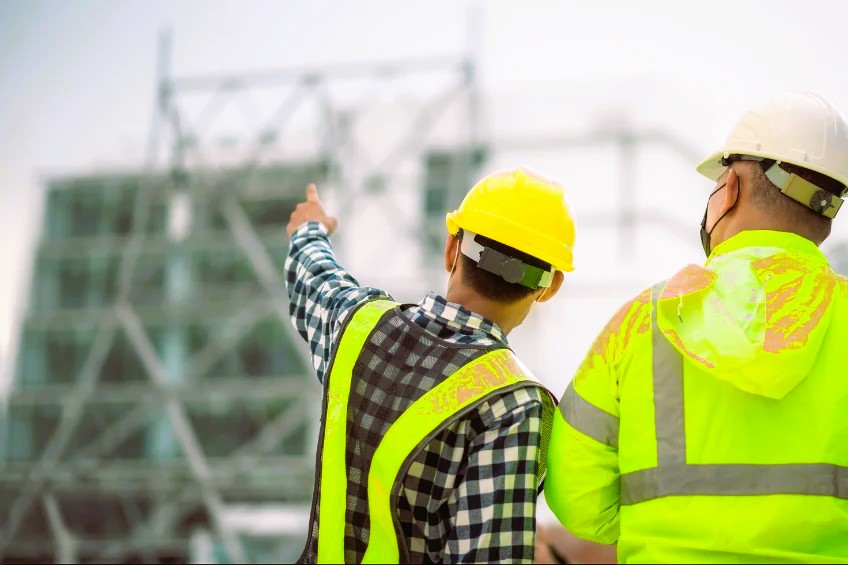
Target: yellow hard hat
[[523, 210]]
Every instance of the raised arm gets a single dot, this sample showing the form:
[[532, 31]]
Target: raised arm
[[321, 293]]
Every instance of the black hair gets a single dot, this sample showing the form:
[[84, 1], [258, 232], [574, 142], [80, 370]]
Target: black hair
[[490, 285]]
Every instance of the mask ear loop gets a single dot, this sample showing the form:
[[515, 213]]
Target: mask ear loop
[[544, 292], [456, 257]]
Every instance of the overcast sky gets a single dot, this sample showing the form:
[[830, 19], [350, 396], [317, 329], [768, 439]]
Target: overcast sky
[[76, 77]]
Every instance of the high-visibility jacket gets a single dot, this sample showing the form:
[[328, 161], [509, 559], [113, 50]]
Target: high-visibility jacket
[[368, 398], [709, 421]]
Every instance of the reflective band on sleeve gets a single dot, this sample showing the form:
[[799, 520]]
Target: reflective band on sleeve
[[668, 392], [587, 418], [813, 479]]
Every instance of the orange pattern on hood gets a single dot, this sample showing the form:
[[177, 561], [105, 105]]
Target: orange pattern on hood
[[631, 318], [796, 303], [691, 278]]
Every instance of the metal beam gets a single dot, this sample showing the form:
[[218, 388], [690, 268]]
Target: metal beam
[[183, 430], [225, 473], [149, 315], [276, 431], [261, 388], [34, 548], [65, 543], [100, 246], [111, 552], [237, 81], [91, 368], [71, 414], [244, 320], [278, 120], [115, 434], [264, 269], [236, 328], [592, 138]]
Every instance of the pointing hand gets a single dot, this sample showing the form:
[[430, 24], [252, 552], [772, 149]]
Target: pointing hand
[[310, 211]]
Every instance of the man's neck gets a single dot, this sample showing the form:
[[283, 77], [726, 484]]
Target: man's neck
[[506, 316]]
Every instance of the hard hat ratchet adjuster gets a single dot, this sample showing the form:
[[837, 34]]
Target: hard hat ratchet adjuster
[[510, 269], [817, 199]]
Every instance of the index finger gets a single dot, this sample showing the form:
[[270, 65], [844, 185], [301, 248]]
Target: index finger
[[311, 192]]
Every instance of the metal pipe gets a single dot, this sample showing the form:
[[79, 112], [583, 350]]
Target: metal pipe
[[237, 81]]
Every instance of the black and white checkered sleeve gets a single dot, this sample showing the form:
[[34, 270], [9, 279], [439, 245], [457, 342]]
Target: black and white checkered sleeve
[[321, 293], [496, 501]]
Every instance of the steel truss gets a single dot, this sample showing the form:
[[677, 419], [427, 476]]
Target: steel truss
[[157, 496]]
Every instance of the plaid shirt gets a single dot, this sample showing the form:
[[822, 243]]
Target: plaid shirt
[[470, 494]]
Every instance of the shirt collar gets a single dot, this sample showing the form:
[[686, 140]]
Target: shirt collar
[[767, 239], [439, 310]]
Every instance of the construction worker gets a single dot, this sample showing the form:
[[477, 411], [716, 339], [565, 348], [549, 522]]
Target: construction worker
[[709, 420], [430, 443]]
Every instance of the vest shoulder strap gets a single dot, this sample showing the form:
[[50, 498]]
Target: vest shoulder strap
[[333, 465]]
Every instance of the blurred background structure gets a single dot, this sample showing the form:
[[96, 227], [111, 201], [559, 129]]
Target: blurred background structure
[[161, 392], [159, 407]]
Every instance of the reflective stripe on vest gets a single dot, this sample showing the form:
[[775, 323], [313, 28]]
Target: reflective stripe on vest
[[333, 465], [674, 477], [493, 371]]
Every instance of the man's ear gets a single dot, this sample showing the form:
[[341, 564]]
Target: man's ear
[[451, 248], [731, 191], [556, 284]]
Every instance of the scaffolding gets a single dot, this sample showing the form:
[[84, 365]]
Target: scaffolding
[[159, 382]]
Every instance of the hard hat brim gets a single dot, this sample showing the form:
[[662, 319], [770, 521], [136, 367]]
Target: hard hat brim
[[712, 168]]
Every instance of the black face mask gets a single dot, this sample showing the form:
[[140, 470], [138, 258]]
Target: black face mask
[[705, 235]]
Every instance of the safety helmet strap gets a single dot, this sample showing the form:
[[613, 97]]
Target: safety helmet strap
[[510, 269], [819, 200]]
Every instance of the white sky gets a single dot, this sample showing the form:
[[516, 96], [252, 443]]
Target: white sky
[[76, 82]]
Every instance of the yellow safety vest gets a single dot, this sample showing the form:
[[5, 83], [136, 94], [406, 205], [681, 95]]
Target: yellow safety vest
[[494, 372]]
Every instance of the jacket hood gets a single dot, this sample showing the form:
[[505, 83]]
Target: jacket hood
[[756, 314]]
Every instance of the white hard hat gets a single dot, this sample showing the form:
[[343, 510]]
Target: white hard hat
[[800, 128]]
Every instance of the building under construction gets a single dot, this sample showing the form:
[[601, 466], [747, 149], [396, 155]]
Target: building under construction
[[149, 395], [163, 408]]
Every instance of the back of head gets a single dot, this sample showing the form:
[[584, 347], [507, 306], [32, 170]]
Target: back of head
[[490, 284], [794, 215], [800, 141], [515, 229]]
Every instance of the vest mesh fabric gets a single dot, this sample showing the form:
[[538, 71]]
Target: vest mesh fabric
[[399, 363]]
